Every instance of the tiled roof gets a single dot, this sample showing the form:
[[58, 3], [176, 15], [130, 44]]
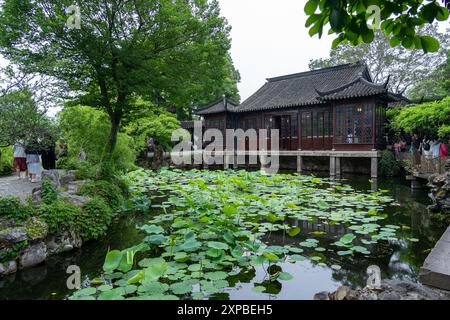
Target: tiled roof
[[306, 89], [301, 89], [355, 89], [219, 106]]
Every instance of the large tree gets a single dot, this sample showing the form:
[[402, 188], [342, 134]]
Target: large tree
[[355, 21], [22, 119], [162, 50], [405, 67], [434, 87]]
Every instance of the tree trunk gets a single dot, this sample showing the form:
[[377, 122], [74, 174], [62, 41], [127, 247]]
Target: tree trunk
[[115, 124]]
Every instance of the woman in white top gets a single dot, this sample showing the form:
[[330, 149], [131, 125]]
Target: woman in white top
[[20, 159]]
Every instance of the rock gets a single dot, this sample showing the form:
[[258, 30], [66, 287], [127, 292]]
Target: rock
[[324, 295], [64, 242], [66, 179], [8, 268], [36, 229], [33, 255], [74, 186], [53, 176], [343, 293], [74, 199], [390, 296], [11, 236], [390, 290], [440, 192], [36, 196]]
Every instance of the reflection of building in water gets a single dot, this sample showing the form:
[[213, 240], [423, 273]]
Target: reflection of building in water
[[330, 231]]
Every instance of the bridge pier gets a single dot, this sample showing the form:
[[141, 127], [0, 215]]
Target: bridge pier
[[299, 164], [338, 167], [332, 166], [374, 168]]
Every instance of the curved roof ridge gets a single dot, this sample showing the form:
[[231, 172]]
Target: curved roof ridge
[[345, 86], [317, 71]]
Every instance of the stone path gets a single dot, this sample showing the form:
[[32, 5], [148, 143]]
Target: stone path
[[436, 269], [11, 186]]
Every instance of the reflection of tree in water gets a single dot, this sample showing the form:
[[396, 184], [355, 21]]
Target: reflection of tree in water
[[401, 259]]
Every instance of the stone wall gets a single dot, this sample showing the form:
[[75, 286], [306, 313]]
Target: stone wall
[[28, 243], [440, 191]]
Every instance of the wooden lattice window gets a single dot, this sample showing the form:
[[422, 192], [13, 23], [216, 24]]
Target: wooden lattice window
[[354, 124]]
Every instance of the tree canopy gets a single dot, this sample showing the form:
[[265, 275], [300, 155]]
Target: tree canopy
[[168, 52], [354, 21], [406, 68], [21, 119], [432, 119], [434, 87]]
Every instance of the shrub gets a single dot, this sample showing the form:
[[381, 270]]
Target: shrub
[[85, 128], [60, 216], [110, 192], [95, 218], [12, 208], [6, 160], [389, 167], [49, 194]]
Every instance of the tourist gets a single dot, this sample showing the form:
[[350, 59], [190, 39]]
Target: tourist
[[20, 159], [49, 158], [427, 154], [33, 161], [415, 148], [435, 148], [443, 151], [397, 149]]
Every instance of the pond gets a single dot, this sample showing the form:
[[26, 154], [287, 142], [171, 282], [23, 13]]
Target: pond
[[399, 256]]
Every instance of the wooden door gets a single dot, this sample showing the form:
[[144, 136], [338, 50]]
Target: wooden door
[[306, 137], [285, 132]]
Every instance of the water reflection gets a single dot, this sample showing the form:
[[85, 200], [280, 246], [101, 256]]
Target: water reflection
[[397, 259]]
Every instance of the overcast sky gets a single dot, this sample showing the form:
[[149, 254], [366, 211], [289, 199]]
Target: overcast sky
[[270, 39]]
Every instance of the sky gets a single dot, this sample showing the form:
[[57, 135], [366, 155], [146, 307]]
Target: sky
[[269, 39]]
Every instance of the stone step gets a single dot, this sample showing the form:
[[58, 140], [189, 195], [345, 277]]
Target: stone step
[[436, 269]]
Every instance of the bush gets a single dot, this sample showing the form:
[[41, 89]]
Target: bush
[[6, 160], [13, 208], [60, 216], [110, 192], [87, 129], [49, 194], [95, 219], [389, 167]]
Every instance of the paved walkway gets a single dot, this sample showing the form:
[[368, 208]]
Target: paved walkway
[[11, 186]]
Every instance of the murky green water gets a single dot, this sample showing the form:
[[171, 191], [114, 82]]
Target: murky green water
[[401, 259]]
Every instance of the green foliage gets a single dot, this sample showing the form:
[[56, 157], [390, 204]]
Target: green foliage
[[60, 216], [13, 208], [87, 129], [430, 118], [436, 86], [90, 222], [110, 192], [213, 223], [35, 228], [94, 219], [151, 121], [389, 167], [174, 54], [13, 252], [405, 68], [49, 194], [6, 160], [21, 119], [349, 20]]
